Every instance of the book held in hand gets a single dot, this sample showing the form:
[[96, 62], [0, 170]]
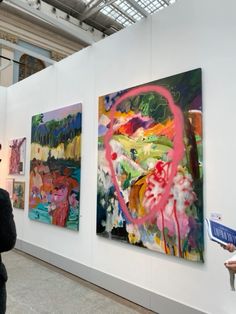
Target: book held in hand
[[220, 233]]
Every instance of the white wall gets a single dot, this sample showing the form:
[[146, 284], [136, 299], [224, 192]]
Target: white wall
[[3, 102], [187, 35]]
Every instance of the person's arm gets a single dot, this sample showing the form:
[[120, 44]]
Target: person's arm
[[231, 265], [7, 224], [229, 247]]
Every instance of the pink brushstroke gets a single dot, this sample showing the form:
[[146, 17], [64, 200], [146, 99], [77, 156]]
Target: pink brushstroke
[[178, 149]]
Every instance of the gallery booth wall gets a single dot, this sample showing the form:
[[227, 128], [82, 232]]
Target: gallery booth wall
[[3, 99], [187, 35]]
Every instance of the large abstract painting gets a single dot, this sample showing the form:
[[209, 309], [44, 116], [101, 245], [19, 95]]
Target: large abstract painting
[[150, 191], [54, 195], [17, 156]]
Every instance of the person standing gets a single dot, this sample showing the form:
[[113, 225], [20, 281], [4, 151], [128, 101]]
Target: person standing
[[7, 241]]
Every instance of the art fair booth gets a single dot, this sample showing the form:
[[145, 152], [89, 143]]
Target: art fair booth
[[115, 155]]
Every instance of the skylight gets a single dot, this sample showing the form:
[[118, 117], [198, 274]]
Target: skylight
[[127, 12]]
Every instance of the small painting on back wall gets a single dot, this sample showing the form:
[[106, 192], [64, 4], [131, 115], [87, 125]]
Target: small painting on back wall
[[17, 156], [150, 175], [18, 197], [54, 195]]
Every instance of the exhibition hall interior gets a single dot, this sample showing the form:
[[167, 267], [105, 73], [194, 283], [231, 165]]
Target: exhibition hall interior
[[113, 154]]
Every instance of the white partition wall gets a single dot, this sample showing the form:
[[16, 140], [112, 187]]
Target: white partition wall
[[3, 99], [187, 35]]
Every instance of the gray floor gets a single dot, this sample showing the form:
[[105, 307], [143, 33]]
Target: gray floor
[[37, 287]]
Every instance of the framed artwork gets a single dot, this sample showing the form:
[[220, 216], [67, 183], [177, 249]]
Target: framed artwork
[[9, 186], [150, 175], [54, 192], [17, 156], [18, 194]]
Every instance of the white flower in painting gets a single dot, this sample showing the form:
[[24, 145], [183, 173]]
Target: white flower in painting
[[114, 218], [104, 179], [133, 233], [182, 191]]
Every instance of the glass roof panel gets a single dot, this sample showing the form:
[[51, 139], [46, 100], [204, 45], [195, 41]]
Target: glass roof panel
[[128, 12], [122, 12]]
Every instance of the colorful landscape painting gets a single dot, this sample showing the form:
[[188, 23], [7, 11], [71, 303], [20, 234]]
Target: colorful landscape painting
[[54, 194], [18, 197], [17, 156], [150, 175]]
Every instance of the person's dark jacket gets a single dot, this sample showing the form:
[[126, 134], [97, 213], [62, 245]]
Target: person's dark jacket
[[7, 229]]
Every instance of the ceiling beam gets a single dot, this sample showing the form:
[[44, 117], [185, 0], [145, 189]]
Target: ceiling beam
[[138, 7], [94, 9], [90, 3], [119, 9], [91, 9], [166, 2]]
